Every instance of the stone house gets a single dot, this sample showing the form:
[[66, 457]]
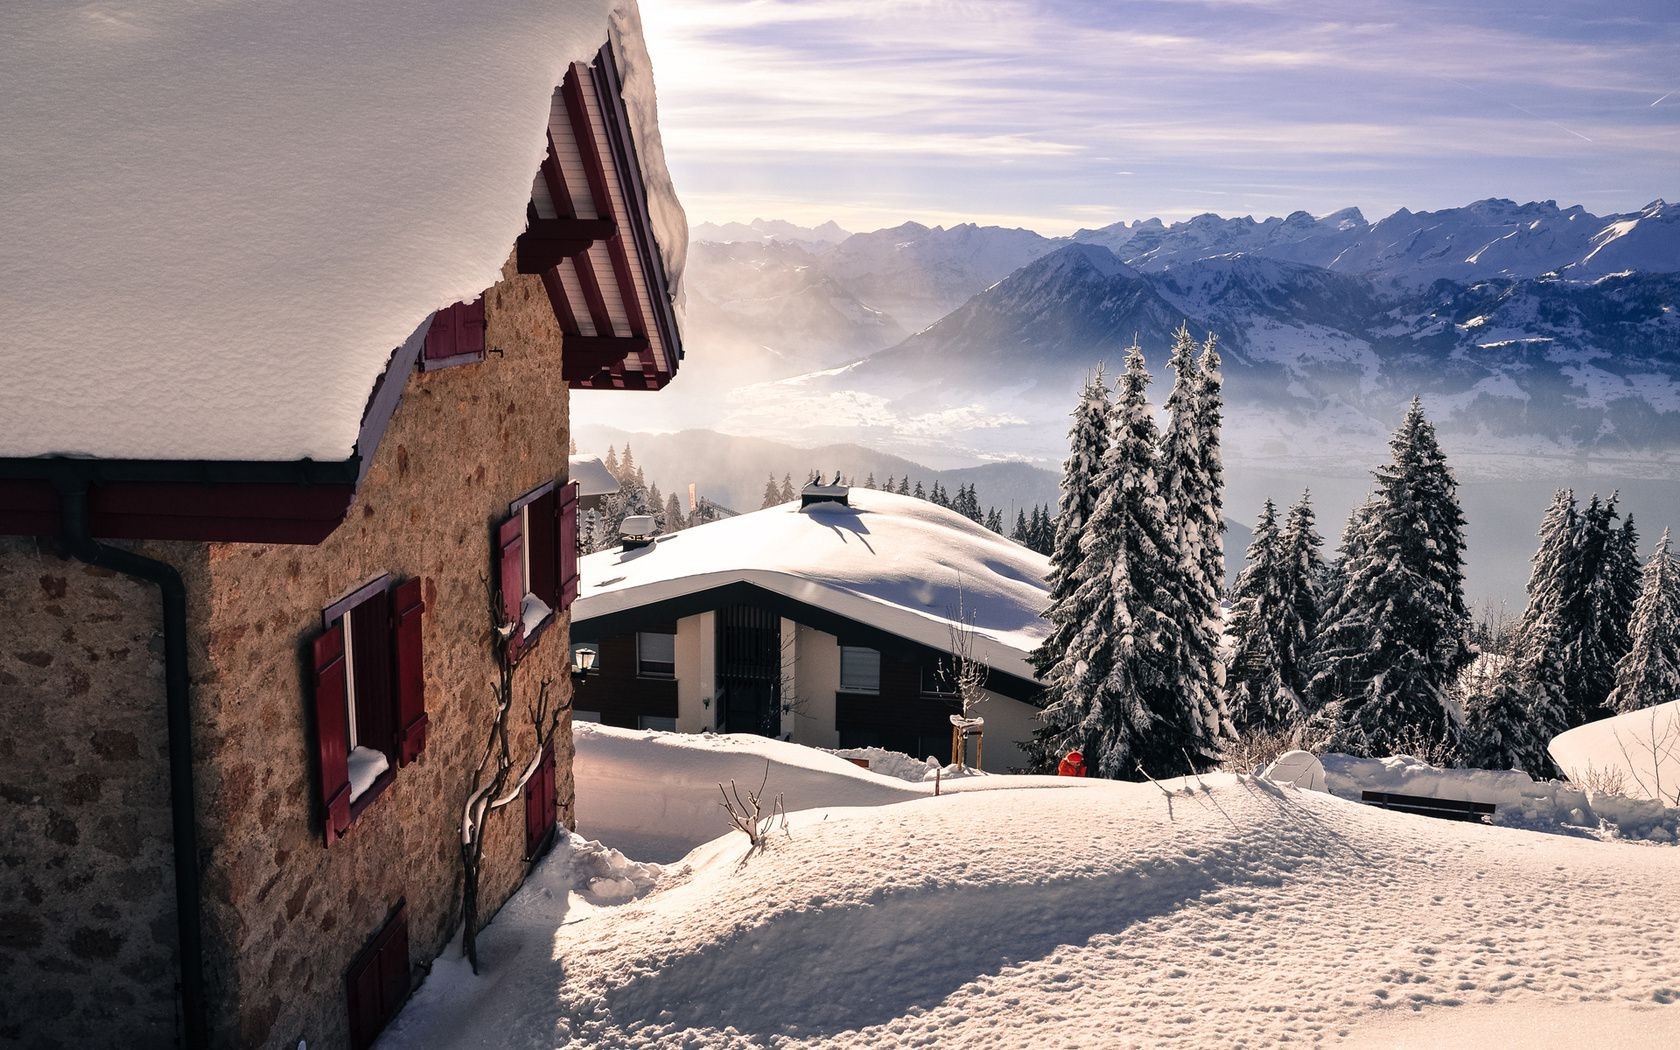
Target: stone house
[[242, 694], [834, 623]]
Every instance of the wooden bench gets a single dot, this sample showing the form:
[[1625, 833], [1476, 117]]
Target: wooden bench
[[1444, 808]]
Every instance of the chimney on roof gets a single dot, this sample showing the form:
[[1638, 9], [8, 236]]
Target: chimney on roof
[[638, 531], [817, 492]]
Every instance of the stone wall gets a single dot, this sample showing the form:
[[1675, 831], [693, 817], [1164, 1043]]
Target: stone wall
[[87, 916], [289, 914], [87, 935]]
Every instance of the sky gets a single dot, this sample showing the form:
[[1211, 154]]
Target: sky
[[1068, 114]]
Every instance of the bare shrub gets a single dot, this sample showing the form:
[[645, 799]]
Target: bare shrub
[[750, 815], [1607, 780], [1255, 750]]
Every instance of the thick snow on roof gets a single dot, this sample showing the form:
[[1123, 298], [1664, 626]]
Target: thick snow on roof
[[1640, 748], [220, 219], [1208, 912], [592, 476], [894, 562]]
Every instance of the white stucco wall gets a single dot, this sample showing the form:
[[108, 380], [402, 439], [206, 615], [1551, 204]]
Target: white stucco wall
[[815, 683], [1010, 724], [696, 672]]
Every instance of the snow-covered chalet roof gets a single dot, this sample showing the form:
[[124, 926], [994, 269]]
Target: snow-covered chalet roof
[[592, 476], [895, 563], [220, 220]]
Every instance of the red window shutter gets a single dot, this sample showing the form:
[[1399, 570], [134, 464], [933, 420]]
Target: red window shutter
[[370, 638], [568, 544], [332, 732], [410, 671], [378, 980], [471, 339], [443, 336], [539, 804], [510, 543], [542, 514]]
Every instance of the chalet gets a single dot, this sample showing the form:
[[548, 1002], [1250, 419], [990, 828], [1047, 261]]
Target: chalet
[[831, 621], [279, 454]]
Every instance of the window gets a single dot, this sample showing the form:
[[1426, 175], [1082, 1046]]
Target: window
[[937, 679], [860, 670], [456, 336], [378, 980], [586, 716], [537, 559], [663, 725], [370, 709], [656, 655]]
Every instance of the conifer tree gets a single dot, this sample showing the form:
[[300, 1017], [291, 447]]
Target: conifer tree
[[1509, 722], [869, 482], [1392, 645], [1111, 693], [1650, 673], [1021, 534], [1594, 604], [904, 485], [789, 494], [920, 493], [994, 520], [1082, 473], [611, 462], [1304, 574], [1260, 698], [772, 494], [627, 468], [891, 485], [674, 519]]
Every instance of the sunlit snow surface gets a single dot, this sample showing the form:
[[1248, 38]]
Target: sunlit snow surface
[[220, 219], [1224, 912]]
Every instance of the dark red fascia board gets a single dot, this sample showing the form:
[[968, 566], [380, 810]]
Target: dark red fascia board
[[162, 500]]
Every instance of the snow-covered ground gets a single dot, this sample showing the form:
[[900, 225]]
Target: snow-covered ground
[[1221, 912]]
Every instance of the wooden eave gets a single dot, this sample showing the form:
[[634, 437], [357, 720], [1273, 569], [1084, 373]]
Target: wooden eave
[[608, 291]]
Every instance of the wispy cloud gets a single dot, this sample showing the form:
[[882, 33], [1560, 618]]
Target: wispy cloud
[[872, 111]]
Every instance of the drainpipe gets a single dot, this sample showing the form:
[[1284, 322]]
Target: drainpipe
[[72, 491]]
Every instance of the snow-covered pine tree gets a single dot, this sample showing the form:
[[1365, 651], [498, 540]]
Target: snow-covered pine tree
[[891, 485], [1304, 574], [1111, 694], [789, 494], [869, 482], [675, 520], [994, 520], [656, 506], [1192, 484], [1650, 673], [1088, 437], [1020, 534], [904, 485], [611, 462], [772, 494], [1594, 610], [1259, 697], [627, 468], [920, 493], [1392, 645], [1517, 710]]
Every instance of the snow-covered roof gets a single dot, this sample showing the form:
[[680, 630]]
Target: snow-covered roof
[[592, 476], [896, 563], [219, 221]]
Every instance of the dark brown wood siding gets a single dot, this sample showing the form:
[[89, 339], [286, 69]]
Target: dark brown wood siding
[[899, 717], [617, 692]]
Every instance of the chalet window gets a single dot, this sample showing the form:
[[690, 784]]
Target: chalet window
[[540, 806], [656, 655], [378, 980], [370, 710], [860, 670], [456, 336], [664, 725], [586, 716], [937, 679], [537, 559]]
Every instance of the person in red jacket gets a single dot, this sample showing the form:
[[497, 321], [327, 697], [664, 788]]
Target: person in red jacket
[[1072, 765]]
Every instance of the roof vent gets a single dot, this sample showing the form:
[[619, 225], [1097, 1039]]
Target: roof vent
[[817, 492], [637, 531]]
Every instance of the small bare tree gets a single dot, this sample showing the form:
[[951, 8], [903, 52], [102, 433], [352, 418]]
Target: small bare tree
[[497, 780], [751, 817], [1660, 745], [962, 674]]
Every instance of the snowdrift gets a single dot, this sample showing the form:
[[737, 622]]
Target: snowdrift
[[1222, 911], [1640, 750]]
